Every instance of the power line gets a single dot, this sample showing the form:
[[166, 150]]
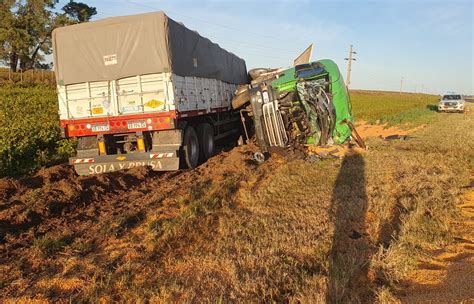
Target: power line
[[256, 47], [102, 13], [209, 22], [266, 57]]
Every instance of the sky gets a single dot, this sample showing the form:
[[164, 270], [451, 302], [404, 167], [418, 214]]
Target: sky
[[428, 44]]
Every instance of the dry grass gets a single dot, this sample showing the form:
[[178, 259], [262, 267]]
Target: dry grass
[[385, 296], [427, 185], [340, 231]]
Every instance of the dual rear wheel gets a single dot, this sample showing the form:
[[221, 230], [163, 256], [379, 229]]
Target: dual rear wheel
[[198, 145]]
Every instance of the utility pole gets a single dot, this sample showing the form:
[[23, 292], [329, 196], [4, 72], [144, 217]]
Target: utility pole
[[349, 66], [401, 85]]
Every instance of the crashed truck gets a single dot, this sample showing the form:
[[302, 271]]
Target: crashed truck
[[143, 90], [307, 104]]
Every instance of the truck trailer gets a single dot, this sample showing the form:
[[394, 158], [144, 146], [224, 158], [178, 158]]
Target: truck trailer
[[143, 90]]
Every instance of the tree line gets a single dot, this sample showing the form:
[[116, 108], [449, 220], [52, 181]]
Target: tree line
[[26, 27]]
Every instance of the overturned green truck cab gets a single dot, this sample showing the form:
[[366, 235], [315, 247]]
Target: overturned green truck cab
[[305, 105]]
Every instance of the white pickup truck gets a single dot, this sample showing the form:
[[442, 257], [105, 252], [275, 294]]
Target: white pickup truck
[[451, 102]]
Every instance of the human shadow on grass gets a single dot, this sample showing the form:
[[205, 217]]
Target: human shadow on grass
[[350, 252]]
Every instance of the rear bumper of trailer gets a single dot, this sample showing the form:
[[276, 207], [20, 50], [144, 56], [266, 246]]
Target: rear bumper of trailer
[[158, 161]]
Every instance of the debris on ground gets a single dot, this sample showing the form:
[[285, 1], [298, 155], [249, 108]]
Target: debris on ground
[[396, 137]]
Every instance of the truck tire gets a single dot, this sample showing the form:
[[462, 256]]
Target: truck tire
[[205, 134], [190, 155]]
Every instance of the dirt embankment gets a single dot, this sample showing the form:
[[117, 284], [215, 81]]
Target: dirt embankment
[[57, 211], [57, 196]]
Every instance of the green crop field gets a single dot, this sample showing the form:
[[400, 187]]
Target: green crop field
[[393, 108], [29, 129]]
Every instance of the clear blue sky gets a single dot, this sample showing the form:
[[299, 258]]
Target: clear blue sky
[[428, 43]]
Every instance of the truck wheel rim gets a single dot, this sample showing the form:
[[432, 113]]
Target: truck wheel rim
[[210, 144], [193, 147]]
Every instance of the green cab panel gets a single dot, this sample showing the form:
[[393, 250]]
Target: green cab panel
[[287, 80]]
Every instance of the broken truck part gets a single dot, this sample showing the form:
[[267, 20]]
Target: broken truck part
[[143, 90], [305, 105]]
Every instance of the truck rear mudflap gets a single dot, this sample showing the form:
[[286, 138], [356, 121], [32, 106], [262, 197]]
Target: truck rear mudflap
[[158, 161]]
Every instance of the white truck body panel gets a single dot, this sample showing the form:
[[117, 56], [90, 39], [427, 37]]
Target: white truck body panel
[[143, 94], [194, 93]]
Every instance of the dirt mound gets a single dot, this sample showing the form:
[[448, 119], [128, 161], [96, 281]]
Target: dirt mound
[[57, 211], [36, 205]]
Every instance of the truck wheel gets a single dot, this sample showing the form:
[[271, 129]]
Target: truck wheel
[[205, 135], [190, 156]]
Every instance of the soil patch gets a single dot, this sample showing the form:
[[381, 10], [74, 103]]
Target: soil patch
[[367, 130]]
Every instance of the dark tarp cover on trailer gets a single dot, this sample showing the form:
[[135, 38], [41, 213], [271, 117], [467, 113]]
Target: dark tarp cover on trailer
[[119, 47]]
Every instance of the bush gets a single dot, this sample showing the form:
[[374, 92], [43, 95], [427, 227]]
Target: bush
[[29, 129]]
